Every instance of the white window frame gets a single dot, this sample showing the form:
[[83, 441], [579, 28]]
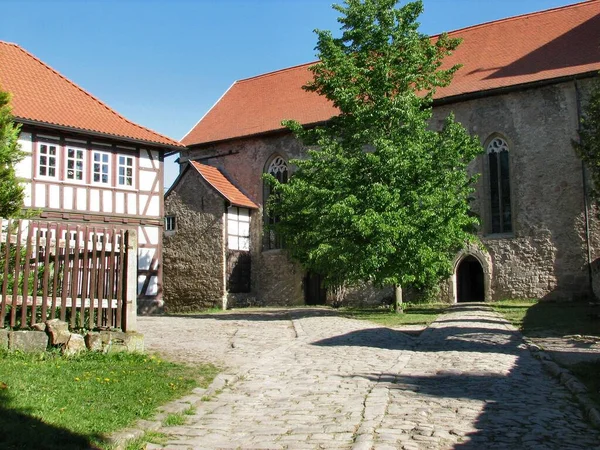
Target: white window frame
[[56, 157], [237, 239], [75, 160], [125, 166], [170, 224], [108, 164]]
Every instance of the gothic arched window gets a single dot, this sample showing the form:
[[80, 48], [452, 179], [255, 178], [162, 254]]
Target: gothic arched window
[[279, 169], [500, 207]]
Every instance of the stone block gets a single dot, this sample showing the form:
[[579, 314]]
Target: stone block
[[58, 331], [39, 327], [27, 341], [93, 341], [3, 339], [75, 345], [119, 341]]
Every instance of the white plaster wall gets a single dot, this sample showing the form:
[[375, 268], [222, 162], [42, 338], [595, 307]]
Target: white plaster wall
[[40, 195], [54, 194], [81, 199], [94, 200], [131, 203], [146, 180], [120, 203], [107, 201], [68, 197]]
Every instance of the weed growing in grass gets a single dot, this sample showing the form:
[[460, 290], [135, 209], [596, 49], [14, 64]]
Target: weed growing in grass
[[174, 419], [80, 399], [150, 436]]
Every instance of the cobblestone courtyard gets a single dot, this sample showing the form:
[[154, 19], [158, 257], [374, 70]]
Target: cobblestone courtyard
[[308, 379]]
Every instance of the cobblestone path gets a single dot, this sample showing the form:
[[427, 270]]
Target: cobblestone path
[[467, 382]]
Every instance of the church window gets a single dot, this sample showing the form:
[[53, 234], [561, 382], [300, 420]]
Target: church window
[[499, 174], [279, 169]]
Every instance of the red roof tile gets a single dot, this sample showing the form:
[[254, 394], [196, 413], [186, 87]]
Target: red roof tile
[[217, 180], [41, 94], [534, 47]]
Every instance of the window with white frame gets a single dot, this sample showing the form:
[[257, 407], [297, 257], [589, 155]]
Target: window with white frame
[[170, 223], [125, 171], [48, 160], [101, 167], [75, 163], [238, 228]]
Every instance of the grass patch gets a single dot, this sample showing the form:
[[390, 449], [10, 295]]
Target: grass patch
[[174, 419], [150, 436], [51, 402], [414, 314], [539, 319]]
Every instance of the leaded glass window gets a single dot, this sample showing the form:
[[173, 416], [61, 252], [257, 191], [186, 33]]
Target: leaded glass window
[[498, 160], [279, 169]]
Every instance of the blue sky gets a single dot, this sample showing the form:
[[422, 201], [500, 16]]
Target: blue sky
[[164, 63]]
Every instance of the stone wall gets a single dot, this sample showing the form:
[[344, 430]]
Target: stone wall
[[194, 255], [275, 279], [546, 254]]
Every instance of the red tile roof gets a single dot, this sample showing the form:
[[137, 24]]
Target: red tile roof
[[41, 94], [217, 180], [540, 46]]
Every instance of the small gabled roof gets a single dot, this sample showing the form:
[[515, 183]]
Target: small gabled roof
[[42, 95], [546, 45], [223, 186]]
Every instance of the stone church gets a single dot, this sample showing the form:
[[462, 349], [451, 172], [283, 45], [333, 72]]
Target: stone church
[[521, 89]]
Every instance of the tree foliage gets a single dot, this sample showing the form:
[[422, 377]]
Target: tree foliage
[[588, 146], [382, 198], [11, 192]]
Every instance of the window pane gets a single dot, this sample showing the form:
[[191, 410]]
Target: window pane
[[244, 215], [244, 243], [233, 243], [505, 189], [233, 227], [494, 193], [244, 229]]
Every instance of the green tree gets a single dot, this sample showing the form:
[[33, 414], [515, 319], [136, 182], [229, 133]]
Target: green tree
[[382, 198], [588, 146], [11, 192]]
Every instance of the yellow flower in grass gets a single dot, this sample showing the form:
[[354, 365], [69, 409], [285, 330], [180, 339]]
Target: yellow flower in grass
[[76, 378]]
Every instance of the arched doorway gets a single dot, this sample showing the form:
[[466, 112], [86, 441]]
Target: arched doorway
[[469, 281]]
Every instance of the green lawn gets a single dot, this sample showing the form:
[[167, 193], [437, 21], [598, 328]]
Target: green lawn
[[51, 402], [414, 314]]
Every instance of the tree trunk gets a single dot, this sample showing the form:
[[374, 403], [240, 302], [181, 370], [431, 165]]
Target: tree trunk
[[398, 299]]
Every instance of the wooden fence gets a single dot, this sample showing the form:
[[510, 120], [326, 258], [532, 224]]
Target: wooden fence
[[79, 274]]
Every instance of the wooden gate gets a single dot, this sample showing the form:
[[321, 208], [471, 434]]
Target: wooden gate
[[76, 273]]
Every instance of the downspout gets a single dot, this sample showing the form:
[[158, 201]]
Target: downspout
[[585, 191]]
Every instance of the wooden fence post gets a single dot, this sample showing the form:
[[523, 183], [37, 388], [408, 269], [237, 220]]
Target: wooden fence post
[[130, 319]]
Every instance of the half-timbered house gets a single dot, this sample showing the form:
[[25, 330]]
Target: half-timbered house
[[87, 164]]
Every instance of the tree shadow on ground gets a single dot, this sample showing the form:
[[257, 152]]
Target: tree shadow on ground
[[19, 430], [473, 339], [263, 315], [503, 403]]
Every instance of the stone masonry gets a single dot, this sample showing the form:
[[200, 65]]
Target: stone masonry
[[194, 255], [545, 256]]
